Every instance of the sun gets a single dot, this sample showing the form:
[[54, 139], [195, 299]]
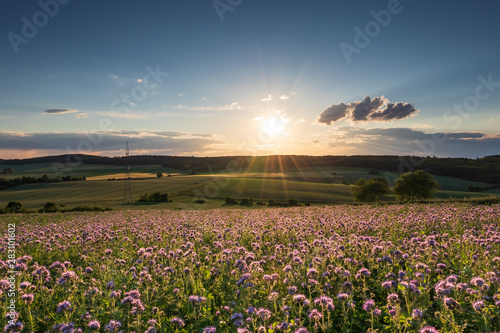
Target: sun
[[275, 123]]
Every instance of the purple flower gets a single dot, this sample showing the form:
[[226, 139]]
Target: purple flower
[[325, 301], [209, 329], [112, 326], [314, 314], [178, 322], [478, 305], [428, 329], [450, 303], [416, 314], [196, 299], [392, 297], [64, 305], [263, 313], [342, 296], [368, 304], [477, 281], [28, 298], [301, 330], [94, 325]]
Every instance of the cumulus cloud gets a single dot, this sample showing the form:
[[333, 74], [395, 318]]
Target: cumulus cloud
[[60, 111], [369, 109]]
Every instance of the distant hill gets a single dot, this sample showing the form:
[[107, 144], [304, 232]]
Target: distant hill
[[486, 169]]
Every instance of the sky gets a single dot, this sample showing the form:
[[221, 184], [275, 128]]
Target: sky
[[250, 77]]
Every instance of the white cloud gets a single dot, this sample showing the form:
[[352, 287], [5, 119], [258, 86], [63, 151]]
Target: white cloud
[[122, 115], [284, 97], [269, 98], [232, 106]]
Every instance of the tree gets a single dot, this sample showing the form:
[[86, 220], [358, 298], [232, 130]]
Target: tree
[[14, 207], [159, 175], [415, 186], [370, 190]]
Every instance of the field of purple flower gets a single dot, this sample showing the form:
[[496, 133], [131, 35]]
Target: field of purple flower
[[413, 268]]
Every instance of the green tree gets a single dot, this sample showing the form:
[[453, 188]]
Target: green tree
[[370, 190], [14, 207], [159, 175], [415, 186]]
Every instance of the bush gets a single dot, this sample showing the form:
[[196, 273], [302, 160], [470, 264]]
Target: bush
[[159, 175], [49, 207], [246, 202], [271, 203], [89, 209], [199, 201], [231, 201], [260, 203], [154, 197]]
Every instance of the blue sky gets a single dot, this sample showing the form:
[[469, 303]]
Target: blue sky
[[241, 77]]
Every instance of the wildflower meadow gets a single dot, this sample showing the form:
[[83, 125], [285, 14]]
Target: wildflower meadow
[[396, 268]]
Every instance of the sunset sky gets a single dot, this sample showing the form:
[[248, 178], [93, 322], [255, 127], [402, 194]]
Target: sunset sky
[[250, 77]]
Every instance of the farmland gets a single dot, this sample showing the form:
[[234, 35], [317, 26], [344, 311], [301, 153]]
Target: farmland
[[105, 185], [411, 268]]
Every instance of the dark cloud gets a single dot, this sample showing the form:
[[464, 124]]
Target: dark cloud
[[333, 113], [111, 142], [394, 111], [362, 110], [58, 111], [369, 109], [406, 141]]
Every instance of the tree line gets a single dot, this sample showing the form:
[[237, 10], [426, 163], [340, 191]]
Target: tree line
[[485, 169], [6, 183]]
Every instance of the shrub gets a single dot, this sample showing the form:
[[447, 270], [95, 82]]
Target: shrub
[[199, 201], [246, 202], [49, 207], [231, 201]]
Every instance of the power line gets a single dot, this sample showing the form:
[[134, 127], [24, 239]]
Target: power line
[[127, 196]]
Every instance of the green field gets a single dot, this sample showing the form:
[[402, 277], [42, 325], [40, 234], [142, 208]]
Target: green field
[[308, 184]]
